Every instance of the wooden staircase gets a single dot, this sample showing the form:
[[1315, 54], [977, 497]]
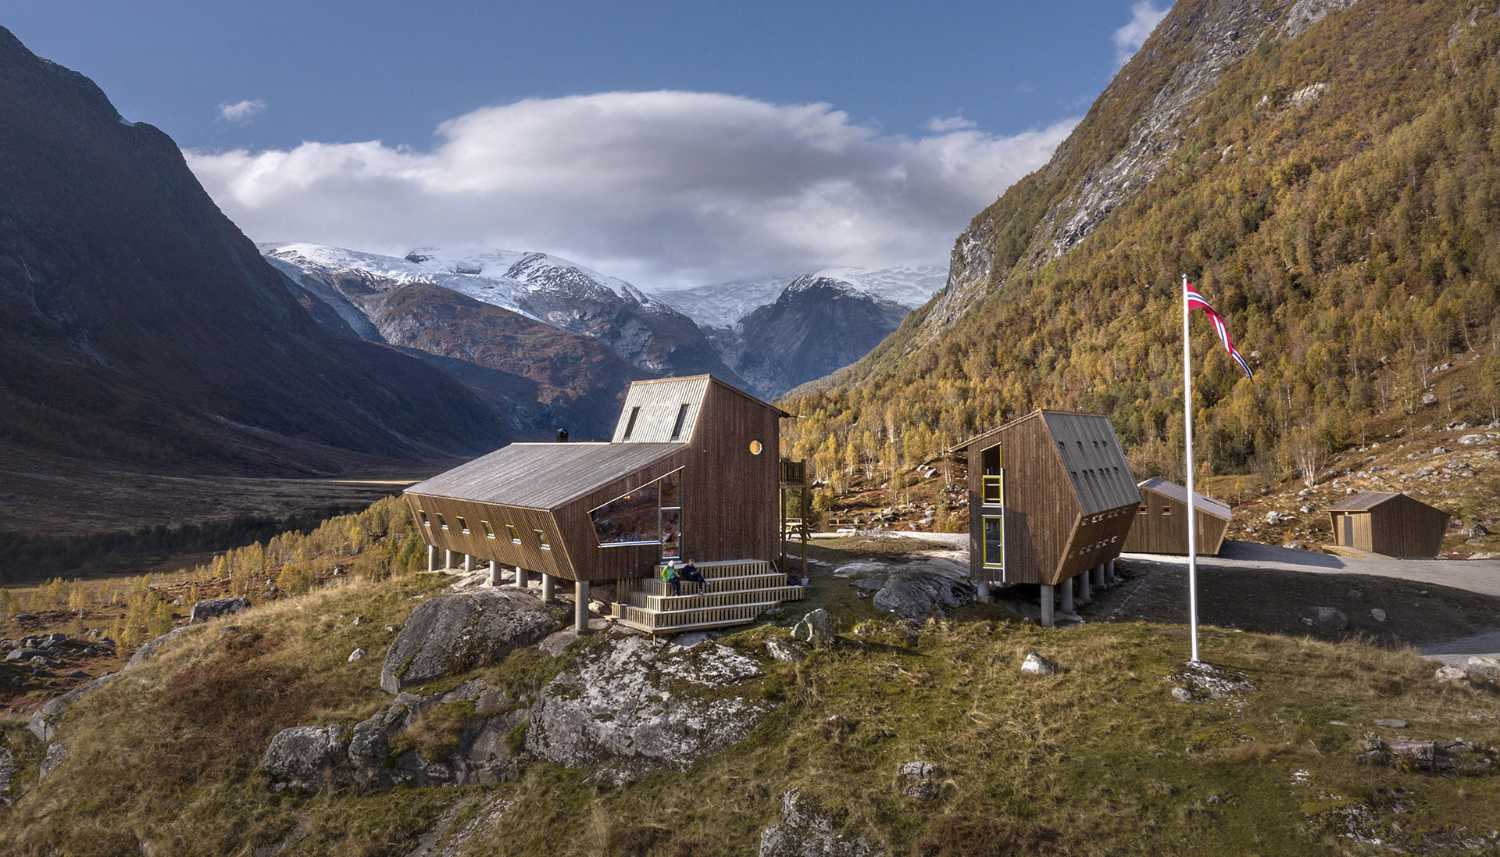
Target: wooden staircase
[[735, 592]]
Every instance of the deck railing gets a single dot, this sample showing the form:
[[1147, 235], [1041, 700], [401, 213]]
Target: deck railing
[[793, 472]]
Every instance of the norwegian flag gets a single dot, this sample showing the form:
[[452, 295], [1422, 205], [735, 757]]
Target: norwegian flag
[[1198, 301]]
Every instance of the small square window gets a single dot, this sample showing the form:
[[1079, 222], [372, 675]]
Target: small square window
[[442, 522], [515, 537], [541, 539], [489, 531], [423, 515], [463, 526]]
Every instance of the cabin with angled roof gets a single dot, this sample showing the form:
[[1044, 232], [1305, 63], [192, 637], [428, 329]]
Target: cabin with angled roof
[[1051, 500], [1161, 521], [692, 472], [1388, 523]]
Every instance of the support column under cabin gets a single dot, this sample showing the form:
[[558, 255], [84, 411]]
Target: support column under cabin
[[432, 557], [1098, 573], [494, 573], [519, 581], [546, 587], [1046, 603], [1111, 574], [1085, 591], [447, 559], [581, 606], [468, 563], [1066, 599]]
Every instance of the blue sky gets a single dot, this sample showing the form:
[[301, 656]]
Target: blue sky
[[940, 104]]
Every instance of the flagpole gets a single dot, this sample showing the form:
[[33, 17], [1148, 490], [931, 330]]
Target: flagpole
[[1192, 524]]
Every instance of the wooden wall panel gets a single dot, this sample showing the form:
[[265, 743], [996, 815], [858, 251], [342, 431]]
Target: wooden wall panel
[[1160, 526], [1399, 527], [528, 555]]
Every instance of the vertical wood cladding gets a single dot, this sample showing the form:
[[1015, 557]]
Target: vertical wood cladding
[[1398, 526], [729, 494], [1051, 533], [1160, 526]]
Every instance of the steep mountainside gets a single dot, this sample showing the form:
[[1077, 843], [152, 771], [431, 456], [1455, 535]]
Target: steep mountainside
[[723, 305], [1326, 170], [638, 327], [138, 326], [820, 323]]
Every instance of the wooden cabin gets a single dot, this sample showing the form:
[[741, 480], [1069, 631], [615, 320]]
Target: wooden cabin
[[1161, 521], [692, 472], [1387, 523], [1051, 499]]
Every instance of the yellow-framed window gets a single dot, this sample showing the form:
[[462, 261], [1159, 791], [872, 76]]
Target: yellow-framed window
[[992, 536], [992, 490]]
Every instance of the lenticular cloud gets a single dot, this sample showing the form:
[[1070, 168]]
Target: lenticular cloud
[[666, 188]]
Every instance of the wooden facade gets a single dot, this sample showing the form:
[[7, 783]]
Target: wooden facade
[[1161, 521], [1056, 489], [1388, 523], [717, 444]]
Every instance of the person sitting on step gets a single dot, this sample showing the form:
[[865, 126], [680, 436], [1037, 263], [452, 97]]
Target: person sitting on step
[[690, 573], [670, 576]]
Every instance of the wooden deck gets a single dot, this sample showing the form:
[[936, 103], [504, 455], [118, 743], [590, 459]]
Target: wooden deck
[[736, 592]]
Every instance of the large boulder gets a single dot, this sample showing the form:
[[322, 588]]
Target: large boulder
[[7, 773], [815, 628], [56, 754], [461, 737], [43, 724], [455, 633], [304, 758], [636, 706], [213, 608], [917, 594], [150, 649], [805, 830]]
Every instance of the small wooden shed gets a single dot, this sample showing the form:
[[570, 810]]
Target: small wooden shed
[[1051, 499], [1388, 523], [1161, 522]]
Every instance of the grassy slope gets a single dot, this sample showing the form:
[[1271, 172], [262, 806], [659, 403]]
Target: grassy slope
[[1094, 761]]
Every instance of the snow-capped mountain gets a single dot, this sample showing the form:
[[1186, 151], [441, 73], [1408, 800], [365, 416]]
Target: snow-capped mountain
[[723, 305], [641, 328]]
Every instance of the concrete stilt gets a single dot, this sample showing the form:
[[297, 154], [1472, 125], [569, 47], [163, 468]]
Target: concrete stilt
[[1085, 589], [447, 559], [581, 606], [982, 593], [432, 557], [494, 573], [1099, 582], [1111, 574], [547, 587], [1066, 600], [1046, 599], [468, 563], [519, 581]]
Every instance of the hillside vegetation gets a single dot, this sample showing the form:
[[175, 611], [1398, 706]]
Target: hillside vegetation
[[1336, 193]]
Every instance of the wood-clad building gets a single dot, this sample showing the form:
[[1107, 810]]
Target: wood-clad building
[[1161, 521], [692, 472], [1388, 523], [1051, 499]]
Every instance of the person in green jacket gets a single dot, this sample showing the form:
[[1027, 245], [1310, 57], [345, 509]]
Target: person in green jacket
[[670, 576]]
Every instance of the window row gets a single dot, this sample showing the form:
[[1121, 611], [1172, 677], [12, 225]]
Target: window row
[[489, 531]]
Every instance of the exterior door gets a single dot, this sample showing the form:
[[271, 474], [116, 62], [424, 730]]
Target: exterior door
[[1348, 530]]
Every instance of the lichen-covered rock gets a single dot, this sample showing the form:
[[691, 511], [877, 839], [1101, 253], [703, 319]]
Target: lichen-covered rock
[[919, 779], [786, 650], [1450, 757], [43, 724], [1035, 664], [918, 594], [150, 649], [459, 632], [213, 608], [7, 774], [638, 706], [304, 758], [815, 628], [806, 831], [1483, 671], [1330, 619], [57, 753], [1204, 682]]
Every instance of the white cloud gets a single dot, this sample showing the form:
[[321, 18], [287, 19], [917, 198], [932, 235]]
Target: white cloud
[[241, 112], [1144, 16], [664, 188], [944, 124]]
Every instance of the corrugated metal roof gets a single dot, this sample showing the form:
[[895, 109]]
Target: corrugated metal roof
[[1206, 505], [542, 475], [1363, 501], [1092, 454], [659, 403]]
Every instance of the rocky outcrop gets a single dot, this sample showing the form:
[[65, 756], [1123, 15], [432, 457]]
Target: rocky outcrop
[[304, 758], [805, 830], [43, 724], [7, 774], [1448, 757], [213, 608], [919, 779], [455, 633], [1305, 13], [815, 629], [57, 753], [639, 706], [917, 594], [150, 649]]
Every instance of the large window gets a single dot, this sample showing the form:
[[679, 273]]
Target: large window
[[682, 413], [993, 532], [992, 479], [630, 423], [649, 515]]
